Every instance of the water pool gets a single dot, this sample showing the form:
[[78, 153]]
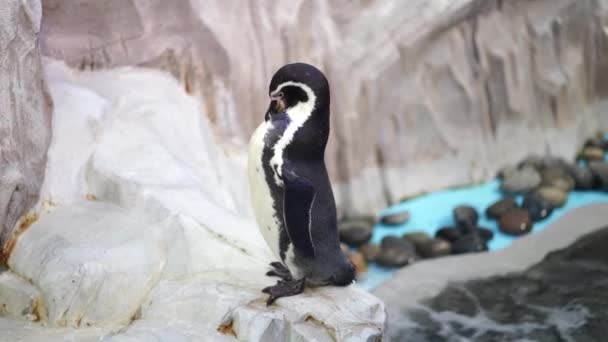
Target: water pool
[[433, 211]]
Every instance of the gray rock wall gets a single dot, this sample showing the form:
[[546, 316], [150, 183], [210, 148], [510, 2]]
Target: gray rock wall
[[25, 113], [426, 93]]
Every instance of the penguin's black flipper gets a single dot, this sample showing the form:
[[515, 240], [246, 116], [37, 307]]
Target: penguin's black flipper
[[297, 205]]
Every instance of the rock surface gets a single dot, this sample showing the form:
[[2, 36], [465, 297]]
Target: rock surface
[[25, 115], [465, 85], [427, 279], [151, 222]]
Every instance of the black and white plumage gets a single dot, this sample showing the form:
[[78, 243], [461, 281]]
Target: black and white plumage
[[290, 188]]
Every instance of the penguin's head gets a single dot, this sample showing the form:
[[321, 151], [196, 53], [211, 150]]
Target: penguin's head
[[300, 90]]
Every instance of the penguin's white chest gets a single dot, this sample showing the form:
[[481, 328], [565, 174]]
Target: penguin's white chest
[[261, 197]]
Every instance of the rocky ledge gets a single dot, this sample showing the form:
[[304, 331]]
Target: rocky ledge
[[144, 230]]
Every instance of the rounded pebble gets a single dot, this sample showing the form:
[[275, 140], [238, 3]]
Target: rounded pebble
[[418, 239], [537, 207], [515, 222], [485, 233], [555, 196], [450, 234], [436, 248], [354, 233], [557, 177], [370, 252], [600, 172], [523, 180], [469, 243], [592, 154], [395, 219], [465, 216], [396, 252], [500, 207], [583, 178]]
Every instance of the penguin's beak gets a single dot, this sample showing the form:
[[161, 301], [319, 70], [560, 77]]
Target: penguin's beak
[[277, 103]]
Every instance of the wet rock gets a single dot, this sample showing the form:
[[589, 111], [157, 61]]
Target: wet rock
[[396, 252], [555, 196], [600, 172], [523, 180], [395, 219], [583, 178], [355, 233], [435, 248], [450, 234], [359, 262], [370, 252], [592, 154], [465, 216], [597, 142], [418, 239], [557, 177], [485, 233], [469, 243], [500, 207], [515, 222], [537, 207]]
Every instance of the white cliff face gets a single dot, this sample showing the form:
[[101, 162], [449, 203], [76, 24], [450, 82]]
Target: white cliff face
[[146, 230], [25, 115], [464, 86]]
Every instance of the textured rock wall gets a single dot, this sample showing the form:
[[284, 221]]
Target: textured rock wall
[[426, 94], [25, 113]]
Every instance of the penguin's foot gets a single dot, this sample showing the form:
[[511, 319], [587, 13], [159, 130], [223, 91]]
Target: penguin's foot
[[284, 289], [279, 270]]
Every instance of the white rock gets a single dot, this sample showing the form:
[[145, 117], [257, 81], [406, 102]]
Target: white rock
[[25, 114], [94, 263], [19, 299]]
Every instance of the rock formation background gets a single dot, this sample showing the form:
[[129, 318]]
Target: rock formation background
[[425, 94]]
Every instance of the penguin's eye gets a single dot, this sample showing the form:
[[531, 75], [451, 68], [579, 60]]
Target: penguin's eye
[[279, 95]]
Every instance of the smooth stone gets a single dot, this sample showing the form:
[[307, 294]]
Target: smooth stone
[[359, 262], [469, 243], [533, 161], [555, 196], [485, 233], [583, 178], [465, 216], [450, 234], [500, 207], [435, 248], [523, 180], [592, 154], [557, 177], [354, 233], [537, 207], [370, 252], [515, 222], [396, 252], [395, 219], [600, 172], [418, 239]]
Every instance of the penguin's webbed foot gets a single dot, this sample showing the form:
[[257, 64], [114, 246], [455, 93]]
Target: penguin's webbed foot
[[284, 289], [279, 270]]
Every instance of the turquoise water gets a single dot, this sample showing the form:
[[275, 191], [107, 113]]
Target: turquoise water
[[433, 211]]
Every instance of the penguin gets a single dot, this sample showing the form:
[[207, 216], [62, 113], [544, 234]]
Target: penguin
[[290, 188]]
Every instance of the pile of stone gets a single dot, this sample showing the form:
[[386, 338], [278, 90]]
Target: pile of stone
[[542, 182]]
